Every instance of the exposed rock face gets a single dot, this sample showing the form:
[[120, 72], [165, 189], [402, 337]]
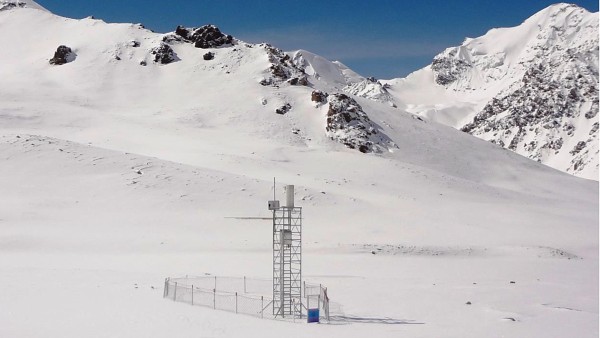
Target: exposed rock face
[[537, 86], [283, 69], [172, 38], [370, 88], [207, 36], [5, 5], [552, 111], [283, 109], [318, 96], [447, 68], [298, 81], [62, 55], [163, 54], [208, 56], [347, 123]]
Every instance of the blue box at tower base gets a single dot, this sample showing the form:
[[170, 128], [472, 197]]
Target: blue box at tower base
[[312, 316]]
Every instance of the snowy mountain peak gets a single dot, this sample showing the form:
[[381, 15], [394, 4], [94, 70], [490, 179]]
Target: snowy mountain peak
[[10, 4], [484, 61], [557, 11], [532, 88]]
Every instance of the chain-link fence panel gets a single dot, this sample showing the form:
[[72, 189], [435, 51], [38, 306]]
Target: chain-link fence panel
[[243, 295], [225, 302], [203, 297]]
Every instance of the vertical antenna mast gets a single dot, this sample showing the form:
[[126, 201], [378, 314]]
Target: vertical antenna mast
[[287, 255]]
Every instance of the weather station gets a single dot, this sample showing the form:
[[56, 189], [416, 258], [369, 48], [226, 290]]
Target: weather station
[[288, 297], [287, 255]]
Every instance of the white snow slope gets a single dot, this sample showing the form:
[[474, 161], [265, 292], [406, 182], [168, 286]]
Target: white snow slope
[[115, 175], [532, 88]]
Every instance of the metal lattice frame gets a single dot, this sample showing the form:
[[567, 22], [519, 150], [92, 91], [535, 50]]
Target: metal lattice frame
[[287, 261]]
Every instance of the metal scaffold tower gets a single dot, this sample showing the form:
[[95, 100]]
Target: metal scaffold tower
[[287, 256]]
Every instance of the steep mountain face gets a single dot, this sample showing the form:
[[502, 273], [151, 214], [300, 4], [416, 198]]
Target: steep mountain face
[[168, 70], [203, 78], [350, 125], [200, 62], [549, 116], [532, 88]]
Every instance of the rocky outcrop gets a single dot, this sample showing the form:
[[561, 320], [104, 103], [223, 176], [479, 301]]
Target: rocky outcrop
[[172, 38], [534, 87], [207, 36], [283, 109], [544, 113], [370, 88], [298, 81], [163, 54], [208, 56], [62, 55], [318, 96], [347, 123], [447, 67], [283, 69], [6, 5]]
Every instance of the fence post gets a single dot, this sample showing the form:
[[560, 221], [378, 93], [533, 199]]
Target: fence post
[[236, 302], [215, 282], [214, 298], [262, 306], [320, 292], [165, 290], [192, 294], [326, 304], [175, 292], [319, 303]]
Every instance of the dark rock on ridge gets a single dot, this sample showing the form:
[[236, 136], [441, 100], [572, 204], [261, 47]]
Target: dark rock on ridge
[[283, 109], [163, 54], [62, 55], [207, 36], [348, 124], [318, 96], [447, 68], [283, 69], [208, 56]]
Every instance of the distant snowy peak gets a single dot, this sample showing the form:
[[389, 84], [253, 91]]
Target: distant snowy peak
[[532, 88], [10, 4], [550, 113], [505, 54]]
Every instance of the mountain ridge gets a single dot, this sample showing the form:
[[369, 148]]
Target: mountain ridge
[[544, 71], [268, 80]]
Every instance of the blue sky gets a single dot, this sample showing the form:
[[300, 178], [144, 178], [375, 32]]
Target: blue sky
[[381, 38]]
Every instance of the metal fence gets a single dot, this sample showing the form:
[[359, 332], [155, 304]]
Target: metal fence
[[241, 295]]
